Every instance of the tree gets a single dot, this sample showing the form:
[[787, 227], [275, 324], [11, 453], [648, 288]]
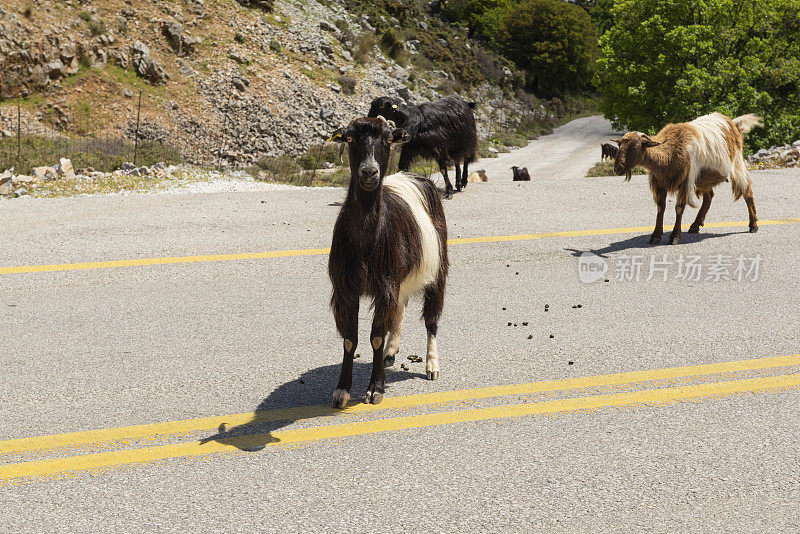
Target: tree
[[554, 41], [674, 60]]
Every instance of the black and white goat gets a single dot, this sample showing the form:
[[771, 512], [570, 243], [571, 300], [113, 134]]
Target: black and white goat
[[389, 243], [443, 131]]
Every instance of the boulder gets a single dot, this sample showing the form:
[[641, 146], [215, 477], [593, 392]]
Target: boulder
[[24, 179], [64, 169], [45, 174], [6, 188]]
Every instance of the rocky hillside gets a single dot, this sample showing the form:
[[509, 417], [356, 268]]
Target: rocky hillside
[[249, 79]]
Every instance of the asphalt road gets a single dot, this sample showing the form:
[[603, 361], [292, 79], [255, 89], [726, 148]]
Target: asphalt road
[[139, 352]]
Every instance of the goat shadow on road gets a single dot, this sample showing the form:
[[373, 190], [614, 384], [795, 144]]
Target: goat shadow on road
[[643, 242], [306, 397]]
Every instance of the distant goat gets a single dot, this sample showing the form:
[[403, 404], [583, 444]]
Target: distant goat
[[688, 159], [609, 151], [477, 176], [443, 131], [389, 243], [521, 175]]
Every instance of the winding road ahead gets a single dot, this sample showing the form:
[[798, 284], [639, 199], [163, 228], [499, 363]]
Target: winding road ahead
[[168, 361]]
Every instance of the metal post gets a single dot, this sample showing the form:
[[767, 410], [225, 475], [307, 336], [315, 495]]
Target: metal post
[[136, 136], [19, 133]]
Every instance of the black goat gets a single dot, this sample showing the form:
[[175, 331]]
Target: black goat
[[443, 130], [521, 175], [609, 151], [389, 243]]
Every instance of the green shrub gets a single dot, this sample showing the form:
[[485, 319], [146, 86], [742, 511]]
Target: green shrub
[[275, 46], [553, 41], [675, 60], [364, 45]]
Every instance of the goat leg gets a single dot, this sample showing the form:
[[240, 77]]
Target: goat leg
[[380, 325], [700, 220], [751, 207], [448, 192], [464, 174], [346, 315], [458, 177], [660, 196], [675, 236]]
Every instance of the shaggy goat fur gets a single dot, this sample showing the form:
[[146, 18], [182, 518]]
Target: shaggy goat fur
[[689, 159], [443, 131], [389, 243]]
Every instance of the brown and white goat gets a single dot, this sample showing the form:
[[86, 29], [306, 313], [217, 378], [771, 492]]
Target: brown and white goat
[[689, 159], [389, 243]]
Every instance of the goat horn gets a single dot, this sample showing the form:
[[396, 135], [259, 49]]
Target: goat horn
[[381, 117]]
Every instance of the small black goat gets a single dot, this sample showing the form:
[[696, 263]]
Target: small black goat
[[443, 130], [609, 151], [389, 243], [521, 175]]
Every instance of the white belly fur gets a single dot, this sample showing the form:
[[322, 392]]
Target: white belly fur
[[406, 188]]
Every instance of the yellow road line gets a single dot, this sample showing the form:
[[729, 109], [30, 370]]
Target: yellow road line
[[197, 448], [320, 251], [306, 412]]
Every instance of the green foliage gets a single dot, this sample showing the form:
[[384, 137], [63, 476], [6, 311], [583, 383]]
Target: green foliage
[[674, 60], [481, 16], [239, 37], [555, 42]]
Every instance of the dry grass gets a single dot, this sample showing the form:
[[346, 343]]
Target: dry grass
[[606, 168]]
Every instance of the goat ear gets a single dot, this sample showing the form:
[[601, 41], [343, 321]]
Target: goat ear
[[649, 143], [338, 136], [399, 136]]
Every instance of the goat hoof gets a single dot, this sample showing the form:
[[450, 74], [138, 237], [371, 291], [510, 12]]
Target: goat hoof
[[388, 361], [674, 240], [753, 229], [693, 230], [340, 398], [373, 397], [433, 375], [655, 240]]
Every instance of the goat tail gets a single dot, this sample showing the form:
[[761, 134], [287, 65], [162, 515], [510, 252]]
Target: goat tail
[[745, 123]]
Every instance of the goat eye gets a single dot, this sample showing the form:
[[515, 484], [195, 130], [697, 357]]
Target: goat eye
[[349, 139]]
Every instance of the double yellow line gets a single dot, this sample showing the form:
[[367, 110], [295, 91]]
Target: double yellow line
[[222, 443], [143, 262]]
